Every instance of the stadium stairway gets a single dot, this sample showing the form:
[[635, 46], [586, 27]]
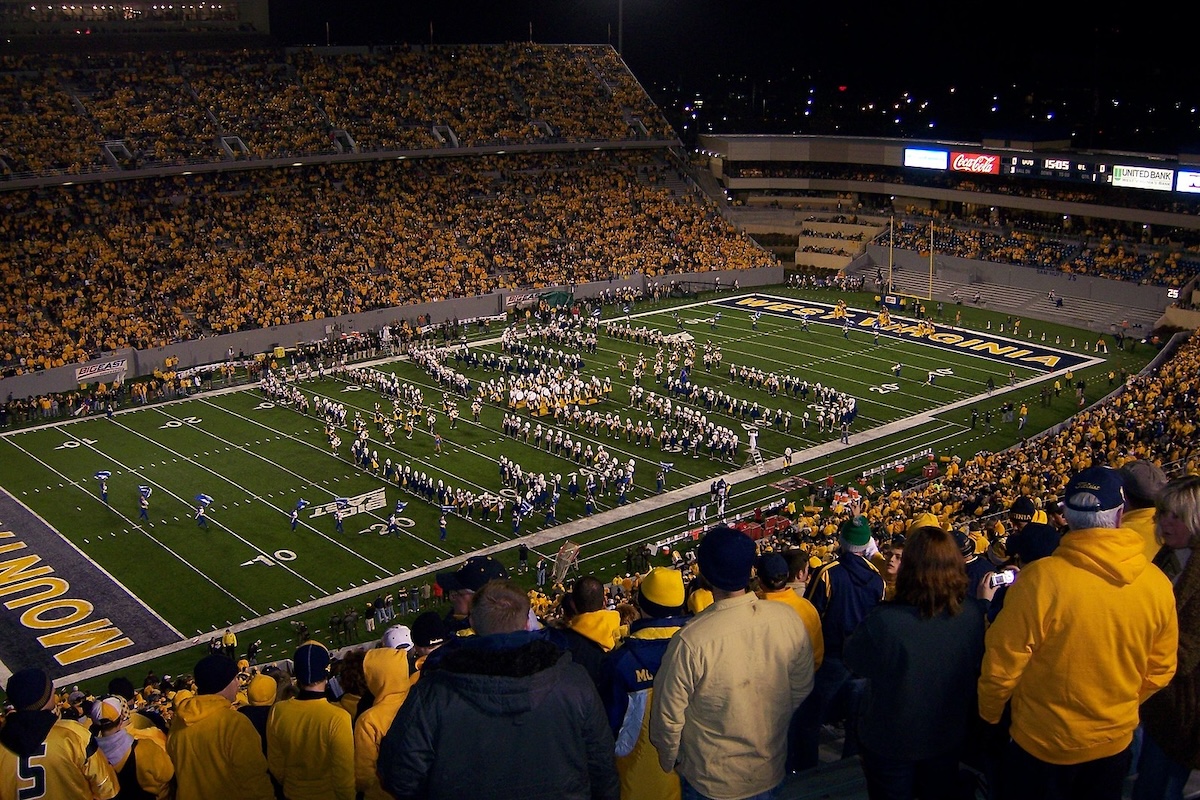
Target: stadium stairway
[[1079, 312]]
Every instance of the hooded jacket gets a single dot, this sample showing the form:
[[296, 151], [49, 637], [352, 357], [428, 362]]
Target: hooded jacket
[[37, 746], [310, 748], [501, 716], [386, 671], [591, 634], [627, 689], [216, 752], [843, 592], [1086, 635]]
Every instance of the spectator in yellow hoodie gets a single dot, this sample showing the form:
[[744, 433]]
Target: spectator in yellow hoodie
[[591, 629], [386, 670]]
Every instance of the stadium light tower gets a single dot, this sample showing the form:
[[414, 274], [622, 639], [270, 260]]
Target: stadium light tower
[[620, 27]]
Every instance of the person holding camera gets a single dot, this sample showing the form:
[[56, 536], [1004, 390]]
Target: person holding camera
[[1086, 635], [1035, 540]]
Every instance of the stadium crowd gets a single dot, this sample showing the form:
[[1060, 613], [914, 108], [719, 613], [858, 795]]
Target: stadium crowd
[[710, 678], [173, 108], [94, 268], [996, 513], [1108, 254]]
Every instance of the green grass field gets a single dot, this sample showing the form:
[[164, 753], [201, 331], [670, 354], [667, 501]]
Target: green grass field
[[257, 458]]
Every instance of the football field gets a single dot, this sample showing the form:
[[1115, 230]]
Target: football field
[[89, 585]]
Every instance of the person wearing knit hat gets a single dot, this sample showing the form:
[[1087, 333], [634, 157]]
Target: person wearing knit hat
[[627, 691], [67, 765], [977, 568], [215, 750], [1143, 480], [261, 694], [726, 556], [148, 767], [1021, 512], [428, 634], [844, 591], [753, 654], [310, 741], [1073, 698]]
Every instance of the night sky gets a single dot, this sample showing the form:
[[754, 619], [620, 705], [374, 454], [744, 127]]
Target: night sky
[[1050, 60]]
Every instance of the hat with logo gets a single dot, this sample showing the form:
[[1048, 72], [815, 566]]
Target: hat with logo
[[1095, 489], [472, 575], [398, 637], [428, 630], [28, 689], [1022, 509], [725, 556], [660, 593], [310, 663]]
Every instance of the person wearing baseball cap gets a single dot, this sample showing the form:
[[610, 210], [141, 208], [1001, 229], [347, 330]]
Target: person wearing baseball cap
[[1075, 701], [1143, 480], [310, 741], [147, 767], [773, 574], [755, 656], [397, 637], [68, 765], [462, 584], [215, 750]]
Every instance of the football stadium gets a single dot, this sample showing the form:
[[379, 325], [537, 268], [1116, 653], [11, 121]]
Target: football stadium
[[290, 334]]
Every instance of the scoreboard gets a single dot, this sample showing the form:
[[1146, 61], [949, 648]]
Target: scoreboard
[[1149, 175], [1057, 167]]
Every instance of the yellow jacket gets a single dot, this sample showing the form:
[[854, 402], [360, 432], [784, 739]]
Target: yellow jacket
[[310, 748], [216, 752], [808, 615], [603, 627], [1142, 521], [386, 671], [1086, 635]]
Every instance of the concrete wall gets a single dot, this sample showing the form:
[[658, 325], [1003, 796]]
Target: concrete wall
[[822, 260], [214, 349]]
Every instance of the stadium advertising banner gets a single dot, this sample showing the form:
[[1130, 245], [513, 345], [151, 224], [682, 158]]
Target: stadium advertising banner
[[980, 343], [1156, 179], [101, 369], [975, 163], [926, 159], [61, 611]]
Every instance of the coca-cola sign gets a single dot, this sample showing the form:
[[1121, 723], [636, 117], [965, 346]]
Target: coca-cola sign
[[977, 163]]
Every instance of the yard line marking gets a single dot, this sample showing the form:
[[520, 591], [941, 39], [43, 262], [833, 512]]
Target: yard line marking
[[225, 528], [310, 482], [136, 526]]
